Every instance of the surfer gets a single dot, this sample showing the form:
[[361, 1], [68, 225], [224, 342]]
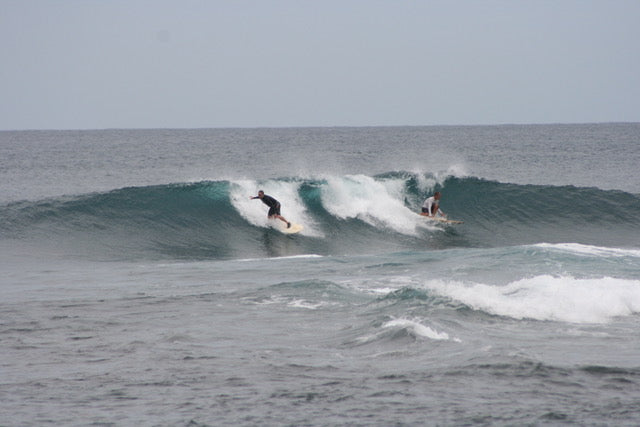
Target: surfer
[[274, 206], [431, 206]]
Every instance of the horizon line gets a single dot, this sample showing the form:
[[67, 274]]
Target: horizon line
[[44, 129]]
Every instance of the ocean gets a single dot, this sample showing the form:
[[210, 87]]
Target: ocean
[[142, 286]]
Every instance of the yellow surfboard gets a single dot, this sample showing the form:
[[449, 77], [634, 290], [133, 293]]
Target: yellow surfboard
[[295, 228]]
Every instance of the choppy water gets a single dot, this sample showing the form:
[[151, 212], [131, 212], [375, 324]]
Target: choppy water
[[141, 285]]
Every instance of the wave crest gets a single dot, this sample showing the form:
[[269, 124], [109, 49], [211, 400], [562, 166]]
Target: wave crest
[[549, 298], [341, 214]]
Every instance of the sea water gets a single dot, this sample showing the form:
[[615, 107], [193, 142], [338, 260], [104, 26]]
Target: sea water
[[141, 285]]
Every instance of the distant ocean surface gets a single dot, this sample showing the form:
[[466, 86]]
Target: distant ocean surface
[[141, 286]]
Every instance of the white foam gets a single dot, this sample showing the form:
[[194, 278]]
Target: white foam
[[565, 298], [418, 329], [283, 300], [376, 202], [304, 256], [427, 181], [255, 212], [580, 249], [457, 170], [300, 303]]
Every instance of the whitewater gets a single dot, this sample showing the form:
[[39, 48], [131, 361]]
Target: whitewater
[[141, 284]]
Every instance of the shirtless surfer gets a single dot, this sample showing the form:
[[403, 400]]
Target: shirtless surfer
[[431, 206], [274, 206]]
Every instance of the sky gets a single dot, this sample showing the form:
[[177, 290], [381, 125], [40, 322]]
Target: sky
[[96, 64]]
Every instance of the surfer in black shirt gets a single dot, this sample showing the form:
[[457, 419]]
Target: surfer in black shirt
[[274, 206]]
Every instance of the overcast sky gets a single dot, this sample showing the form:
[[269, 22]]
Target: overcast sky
[[93, 64]]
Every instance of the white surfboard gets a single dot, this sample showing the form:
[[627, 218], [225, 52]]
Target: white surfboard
[[442, 219], [295, 228]]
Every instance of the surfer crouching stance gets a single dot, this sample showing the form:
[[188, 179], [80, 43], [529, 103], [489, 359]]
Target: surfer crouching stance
[[274, 206], [431, 206]]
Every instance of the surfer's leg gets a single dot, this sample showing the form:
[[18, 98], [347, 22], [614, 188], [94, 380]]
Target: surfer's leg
[[274, 212], [281, 218], [284, 220]]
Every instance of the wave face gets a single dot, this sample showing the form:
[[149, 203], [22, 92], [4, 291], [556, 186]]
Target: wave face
[[349, 214]]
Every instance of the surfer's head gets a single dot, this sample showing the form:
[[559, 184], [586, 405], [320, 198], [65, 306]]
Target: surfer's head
[[436, 195], [261, 194]]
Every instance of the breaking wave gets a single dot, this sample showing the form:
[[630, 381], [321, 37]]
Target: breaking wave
[[347, 214]]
